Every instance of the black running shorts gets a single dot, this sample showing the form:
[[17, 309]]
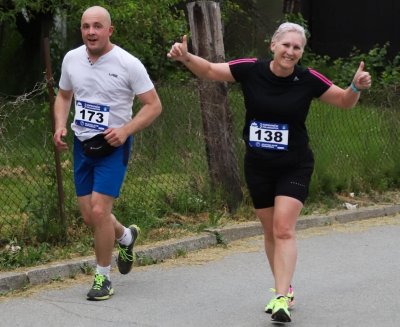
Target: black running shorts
[[268, 178]]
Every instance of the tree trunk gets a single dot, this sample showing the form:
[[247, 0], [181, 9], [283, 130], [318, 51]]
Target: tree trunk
[[291, 6], [207, 42]]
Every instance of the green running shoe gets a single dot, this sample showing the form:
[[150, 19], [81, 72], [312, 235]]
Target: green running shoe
[[101, 289], [270, 305], [290, 295], [280, 312], [125, 253]]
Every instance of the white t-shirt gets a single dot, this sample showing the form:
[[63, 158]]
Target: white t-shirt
[[103, 91]]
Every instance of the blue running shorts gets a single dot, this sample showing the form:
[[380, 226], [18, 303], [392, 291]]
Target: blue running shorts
[[103, 175]]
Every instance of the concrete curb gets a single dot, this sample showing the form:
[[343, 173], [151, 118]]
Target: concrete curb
[[11, 281]]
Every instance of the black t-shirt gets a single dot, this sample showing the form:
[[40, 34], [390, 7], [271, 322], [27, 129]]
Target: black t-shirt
[[284, 101]]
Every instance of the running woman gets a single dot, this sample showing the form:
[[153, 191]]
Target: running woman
[[278, 162]]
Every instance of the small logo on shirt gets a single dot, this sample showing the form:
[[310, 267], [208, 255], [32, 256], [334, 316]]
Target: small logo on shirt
[[113, 75], [295, 79], [297, 184]]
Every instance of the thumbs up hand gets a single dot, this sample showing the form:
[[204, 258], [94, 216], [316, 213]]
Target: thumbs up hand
[[179, 51], [362, 79]]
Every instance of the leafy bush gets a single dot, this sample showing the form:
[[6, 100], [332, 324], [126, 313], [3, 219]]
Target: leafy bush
[[385, 72]]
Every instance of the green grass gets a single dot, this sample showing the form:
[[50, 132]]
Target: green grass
[[355, 150]]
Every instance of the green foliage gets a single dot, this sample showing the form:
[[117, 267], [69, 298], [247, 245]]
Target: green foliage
[[214, 217], [87, 269], [180, 253], [359, 152], [44, 218], [30, 8], [145, 260], [40, 205], [385, 72], [145, 28], [17, 256], [220, 239]]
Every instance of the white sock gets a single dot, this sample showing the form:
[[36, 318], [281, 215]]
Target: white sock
[[103, 271], [126, 238]]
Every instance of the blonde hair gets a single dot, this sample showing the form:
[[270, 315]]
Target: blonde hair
[[289, 27]]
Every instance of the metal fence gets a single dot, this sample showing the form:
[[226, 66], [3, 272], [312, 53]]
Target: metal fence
[[168, 175]]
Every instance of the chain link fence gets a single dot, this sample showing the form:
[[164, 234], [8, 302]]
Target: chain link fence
[[168, 176]]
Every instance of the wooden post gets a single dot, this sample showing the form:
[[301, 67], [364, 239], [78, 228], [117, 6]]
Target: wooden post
[[60, 189], [207, 41]]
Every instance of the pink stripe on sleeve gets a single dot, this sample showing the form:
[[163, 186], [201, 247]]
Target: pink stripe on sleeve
[[320, 76], [242, 60]]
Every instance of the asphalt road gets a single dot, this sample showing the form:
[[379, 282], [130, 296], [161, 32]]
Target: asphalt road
[[347, 275]]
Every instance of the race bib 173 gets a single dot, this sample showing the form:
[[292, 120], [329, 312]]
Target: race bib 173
[[269, 136], [91, 115]]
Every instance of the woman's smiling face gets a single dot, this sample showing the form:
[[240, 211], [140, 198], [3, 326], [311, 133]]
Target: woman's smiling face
[[288, 49]]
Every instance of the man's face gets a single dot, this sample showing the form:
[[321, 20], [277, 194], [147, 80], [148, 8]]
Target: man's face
[[96, 30]]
